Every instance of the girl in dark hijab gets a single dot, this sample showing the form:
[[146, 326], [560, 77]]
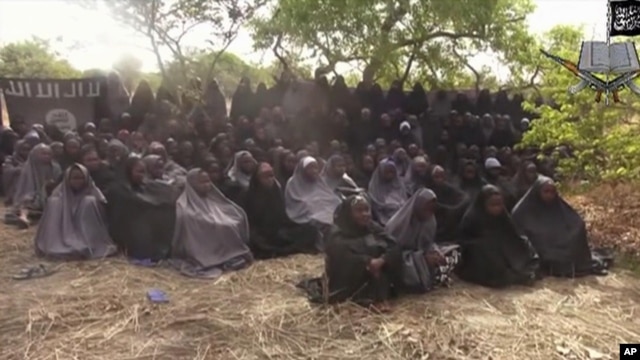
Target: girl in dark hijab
[[273, 234], [73, 224], [469, 179], [362, 173], [71, 153], [484, 103], [395, 97], [260, 98], [341, 97], [362, 263], [377, 101], [525, 178], [285, 165], [494, 254], [556, 231], [502, 104], [100, 173], [462, 104], [242, 102], [141, 103], [417, 102], [11, 168], [141, 219], [502, 134]]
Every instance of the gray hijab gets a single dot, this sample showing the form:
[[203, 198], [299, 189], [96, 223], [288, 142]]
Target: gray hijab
[[411, 180], [34, 176], [333, 182], [74, 224], [210, 230], [386, 197], [235, 173], [405, 228], [305, 200]]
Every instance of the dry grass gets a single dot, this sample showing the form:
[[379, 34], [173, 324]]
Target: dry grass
[[98, 310]]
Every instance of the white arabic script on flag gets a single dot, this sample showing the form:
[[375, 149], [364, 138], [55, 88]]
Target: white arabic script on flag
[[626, 18]]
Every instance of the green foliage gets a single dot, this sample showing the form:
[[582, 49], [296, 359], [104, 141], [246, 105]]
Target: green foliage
[[604, 139], [228, 71], [381, 35], [34, 59]]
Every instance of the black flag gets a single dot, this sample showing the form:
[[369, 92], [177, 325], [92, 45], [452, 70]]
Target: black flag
[[624, 18]]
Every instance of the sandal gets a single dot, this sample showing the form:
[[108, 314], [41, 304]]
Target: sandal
[[33, 272]]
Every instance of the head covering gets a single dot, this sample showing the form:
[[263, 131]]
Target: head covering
[[210, 230], [407, 230], [492, 163], [412, 180], [235, 173], [73, 224], [333, 182], [555, 229], [386, 197], [305, 200], [343, 219], [33, 177]]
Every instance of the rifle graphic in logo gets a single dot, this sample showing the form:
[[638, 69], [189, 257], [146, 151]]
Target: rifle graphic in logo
[[619, 59]]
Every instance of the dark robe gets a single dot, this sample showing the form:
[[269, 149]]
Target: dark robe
[[494, 254], [395, 97], [349, 250], [273, 234], [242, 103], [462, 104], [416, 102], [484, 103], [103, 177], [452, 203], [141, 221], [556, 231], [141, 103]]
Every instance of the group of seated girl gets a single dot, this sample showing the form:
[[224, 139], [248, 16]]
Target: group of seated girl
[[377, 243]]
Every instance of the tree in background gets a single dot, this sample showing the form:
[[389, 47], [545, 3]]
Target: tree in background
[[387, 38], [34, 59], [167, 24]]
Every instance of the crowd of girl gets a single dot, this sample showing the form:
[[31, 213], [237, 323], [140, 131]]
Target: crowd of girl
[[398, 198]]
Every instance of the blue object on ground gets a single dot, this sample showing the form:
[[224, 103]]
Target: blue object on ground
[[157, 296]]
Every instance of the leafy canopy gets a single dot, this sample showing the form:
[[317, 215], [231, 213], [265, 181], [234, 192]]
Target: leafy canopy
[[34, 59], [381, 35]]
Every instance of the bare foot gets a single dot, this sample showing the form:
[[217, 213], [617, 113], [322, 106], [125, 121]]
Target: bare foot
[[23, 223]]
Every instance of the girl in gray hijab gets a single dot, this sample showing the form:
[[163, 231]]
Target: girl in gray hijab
[[241, 168], [307, 197], [387, 191], [334, 173], [211, 233], [414, 226], [30, 195], [171, 168], [74, 225], [12, 167], [417, 175]]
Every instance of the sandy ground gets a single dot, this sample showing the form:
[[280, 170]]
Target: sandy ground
[[99, 310]]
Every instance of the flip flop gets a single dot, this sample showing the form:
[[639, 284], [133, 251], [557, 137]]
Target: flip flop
[[143, 262], [157, 296], [33, 272]]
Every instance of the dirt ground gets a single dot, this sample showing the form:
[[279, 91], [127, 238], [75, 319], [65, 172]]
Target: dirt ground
[[98, 310]]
